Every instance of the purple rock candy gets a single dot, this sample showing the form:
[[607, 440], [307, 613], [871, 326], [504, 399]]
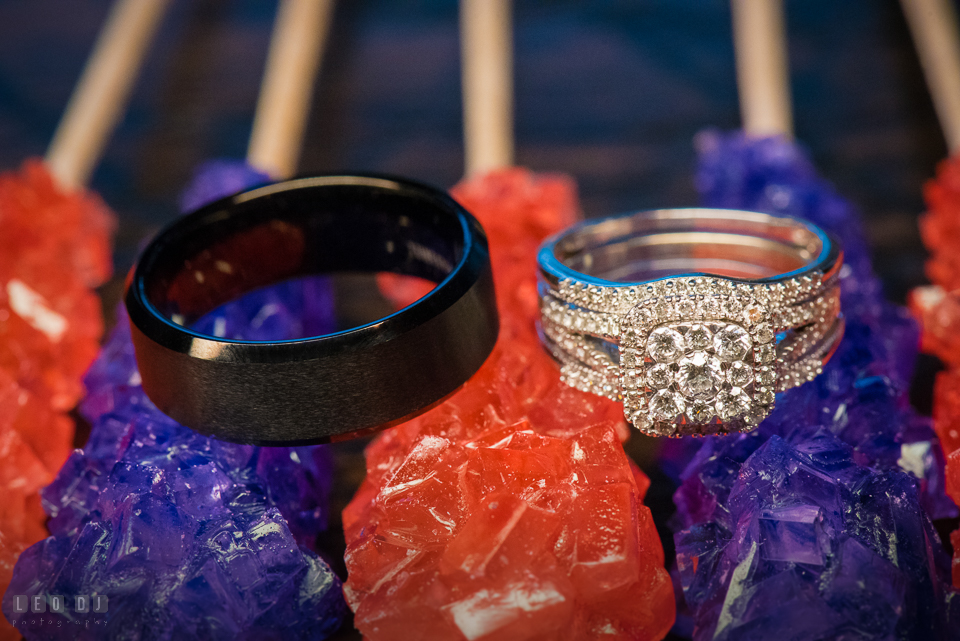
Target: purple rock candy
[[816, 525], [809, 545], [216, 179], [792, 533], [189, 537]]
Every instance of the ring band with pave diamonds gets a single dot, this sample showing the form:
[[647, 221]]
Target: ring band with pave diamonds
[[318, 388], [693, 318]]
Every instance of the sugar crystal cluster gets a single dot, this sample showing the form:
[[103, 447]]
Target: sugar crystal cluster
[[511, 511], [188, 537], [938, 308], [817, 525], [54, 249], [940, 227]]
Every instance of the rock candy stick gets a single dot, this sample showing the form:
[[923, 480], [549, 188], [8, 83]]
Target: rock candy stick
[[487, 77], [933, 24], [102, 92], [297, 44], [511, 511], [247, 524], [296, 49], [300, 34], [55, 247], [486, 80], [758, 32], [764, 515], [830, 495], [935, 33]]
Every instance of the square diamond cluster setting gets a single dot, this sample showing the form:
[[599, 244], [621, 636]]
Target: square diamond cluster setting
[[705, 369]]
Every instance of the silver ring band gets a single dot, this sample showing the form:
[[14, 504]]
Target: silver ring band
[[693, 318]]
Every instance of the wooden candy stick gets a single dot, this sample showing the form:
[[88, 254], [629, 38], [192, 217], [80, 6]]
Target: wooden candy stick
[[103, 90], [487, 77], [933, 24], [296, 48], [762, 75]]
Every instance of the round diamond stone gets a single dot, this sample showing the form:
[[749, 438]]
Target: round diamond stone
[[766, 376], [753, 314], [700, 375], [641, 420], [630, 359], [732, 307], [666, 405], [665, 345], [662, 309], [763, 333], [732, 403], [699, 337], [755, 416], [686, 307], [731, 343], [700, 412], [710, 306], [659, 376], [739, 374], [766, 354], [631, 335], [765, 397], [643, 315]]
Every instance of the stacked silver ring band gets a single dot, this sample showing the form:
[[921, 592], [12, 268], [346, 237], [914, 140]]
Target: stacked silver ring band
[[692, 318]]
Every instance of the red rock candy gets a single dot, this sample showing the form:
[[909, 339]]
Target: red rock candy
[[511, 511], [403, 290], [939, 314], [940, 226], [938, 308], [34, 443], [946, 411], [54, 246], [73, 229]]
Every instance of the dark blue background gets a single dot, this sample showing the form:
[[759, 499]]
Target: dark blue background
[[610, 91]]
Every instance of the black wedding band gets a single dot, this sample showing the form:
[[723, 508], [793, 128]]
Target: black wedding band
[[320, 388]]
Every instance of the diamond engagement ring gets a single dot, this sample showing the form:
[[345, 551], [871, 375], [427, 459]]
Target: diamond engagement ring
[[692, 318]]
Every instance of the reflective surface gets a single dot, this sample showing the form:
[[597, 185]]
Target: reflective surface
[[642, 246]]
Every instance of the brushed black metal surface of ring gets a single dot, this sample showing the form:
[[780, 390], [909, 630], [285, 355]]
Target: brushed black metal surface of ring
[[321, 388]]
